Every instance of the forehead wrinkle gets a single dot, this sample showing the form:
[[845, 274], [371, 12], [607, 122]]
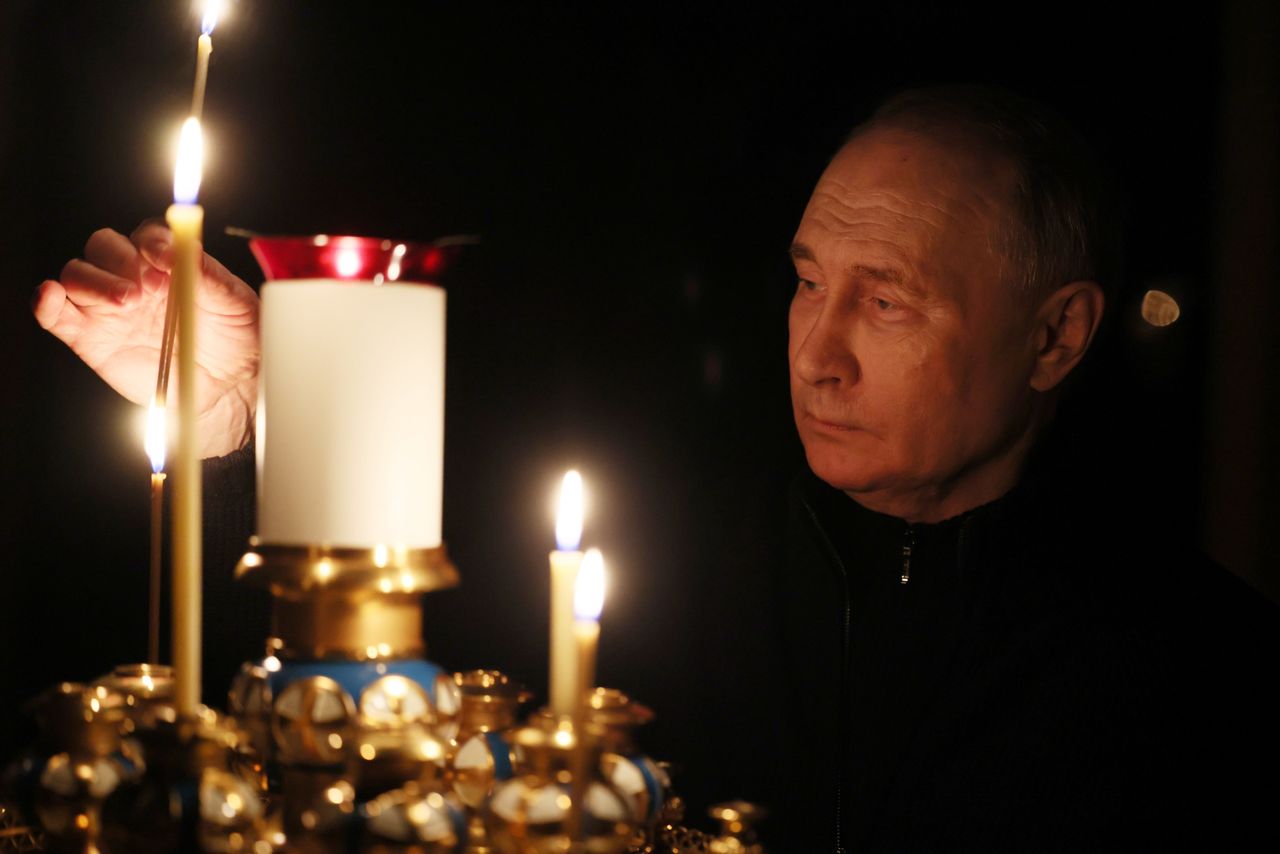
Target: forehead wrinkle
[[913, 228], [839, 207], [893, 242]]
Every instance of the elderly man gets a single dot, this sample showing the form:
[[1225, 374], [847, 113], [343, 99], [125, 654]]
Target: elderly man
[[969, 643], [963, 646]]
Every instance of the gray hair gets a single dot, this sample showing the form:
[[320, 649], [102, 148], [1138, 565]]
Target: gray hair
[[1061, 227]]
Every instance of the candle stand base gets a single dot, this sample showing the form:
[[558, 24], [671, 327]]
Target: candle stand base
[[336, 703], [194, 794], [77, 762], [545, 808]]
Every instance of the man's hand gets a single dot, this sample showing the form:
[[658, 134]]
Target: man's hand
[[109, 309]]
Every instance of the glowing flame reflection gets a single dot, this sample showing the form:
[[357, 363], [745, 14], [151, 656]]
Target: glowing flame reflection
[[588, 592], [347, 260]]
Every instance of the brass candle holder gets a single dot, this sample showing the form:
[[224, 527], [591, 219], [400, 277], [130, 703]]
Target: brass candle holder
[[481, 753], [345, 664], [545, 809], [140, 685], [393, 792], [194, 794], [349, 604], [411, 819], [643, 782], [249, 700], [78, 761], [403, 788]]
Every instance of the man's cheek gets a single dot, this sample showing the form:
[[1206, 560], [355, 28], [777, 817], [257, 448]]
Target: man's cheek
[[913, 384]]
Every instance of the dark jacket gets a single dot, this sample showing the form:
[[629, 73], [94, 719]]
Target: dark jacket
[[1048, 672]]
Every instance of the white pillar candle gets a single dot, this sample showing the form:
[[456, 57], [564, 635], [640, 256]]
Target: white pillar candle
[[351, 413]]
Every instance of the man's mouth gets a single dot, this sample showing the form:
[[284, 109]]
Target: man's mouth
[[833, 426]]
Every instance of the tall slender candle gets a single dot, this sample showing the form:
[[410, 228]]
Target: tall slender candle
[[185, 219], [204, 47], [564, 575], [155, 446], [588, 601]]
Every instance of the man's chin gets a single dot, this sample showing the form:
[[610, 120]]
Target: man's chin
[[844, 469]]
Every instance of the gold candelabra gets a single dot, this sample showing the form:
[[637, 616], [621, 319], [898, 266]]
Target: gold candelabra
[[343, 739]]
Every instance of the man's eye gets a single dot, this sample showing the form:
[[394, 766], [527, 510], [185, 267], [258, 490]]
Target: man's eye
[[808, 285], [885, 305]]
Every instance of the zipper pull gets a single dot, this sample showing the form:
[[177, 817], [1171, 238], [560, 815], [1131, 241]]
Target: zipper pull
[[907, 544]]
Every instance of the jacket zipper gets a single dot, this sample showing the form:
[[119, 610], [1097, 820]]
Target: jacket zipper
[[834, 556], [908, 543]]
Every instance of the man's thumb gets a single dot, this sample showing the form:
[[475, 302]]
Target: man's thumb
[[154, 242], [158, 252]]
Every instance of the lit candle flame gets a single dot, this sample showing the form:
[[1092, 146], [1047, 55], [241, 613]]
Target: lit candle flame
[[213, 10], [569, 519], [186, 177], [155, 441], [588, 592]]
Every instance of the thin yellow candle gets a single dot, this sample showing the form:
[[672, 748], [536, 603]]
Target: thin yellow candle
[[155, 446], [564, 574], [161, 398], [588, 602], [186, 219], [204, 47]]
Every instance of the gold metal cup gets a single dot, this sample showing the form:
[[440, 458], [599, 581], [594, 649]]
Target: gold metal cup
[[342, 603]]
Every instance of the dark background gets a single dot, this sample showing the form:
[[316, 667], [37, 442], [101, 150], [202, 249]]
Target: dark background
[[636, 176]]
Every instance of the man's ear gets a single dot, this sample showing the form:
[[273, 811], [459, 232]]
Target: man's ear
[[1065, 325]]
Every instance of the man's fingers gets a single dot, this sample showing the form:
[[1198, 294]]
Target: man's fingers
[[221, 290], [153, 240], [55, 312], [47, 303], [88, 285], [111, 251]]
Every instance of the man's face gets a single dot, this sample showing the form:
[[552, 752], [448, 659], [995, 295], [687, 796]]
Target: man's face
[[910, 351]]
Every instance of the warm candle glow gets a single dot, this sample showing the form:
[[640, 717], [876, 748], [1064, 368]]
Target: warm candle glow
[[347, 262], [213, 10], [155, 441], [186, 177], [588, 592], [569, 519]]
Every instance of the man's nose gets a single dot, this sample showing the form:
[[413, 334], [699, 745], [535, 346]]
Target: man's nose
[[825, 355]]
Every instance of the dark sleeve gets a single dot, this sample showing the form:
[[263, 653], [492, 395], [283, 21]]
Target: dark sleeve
[[235, 617]]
